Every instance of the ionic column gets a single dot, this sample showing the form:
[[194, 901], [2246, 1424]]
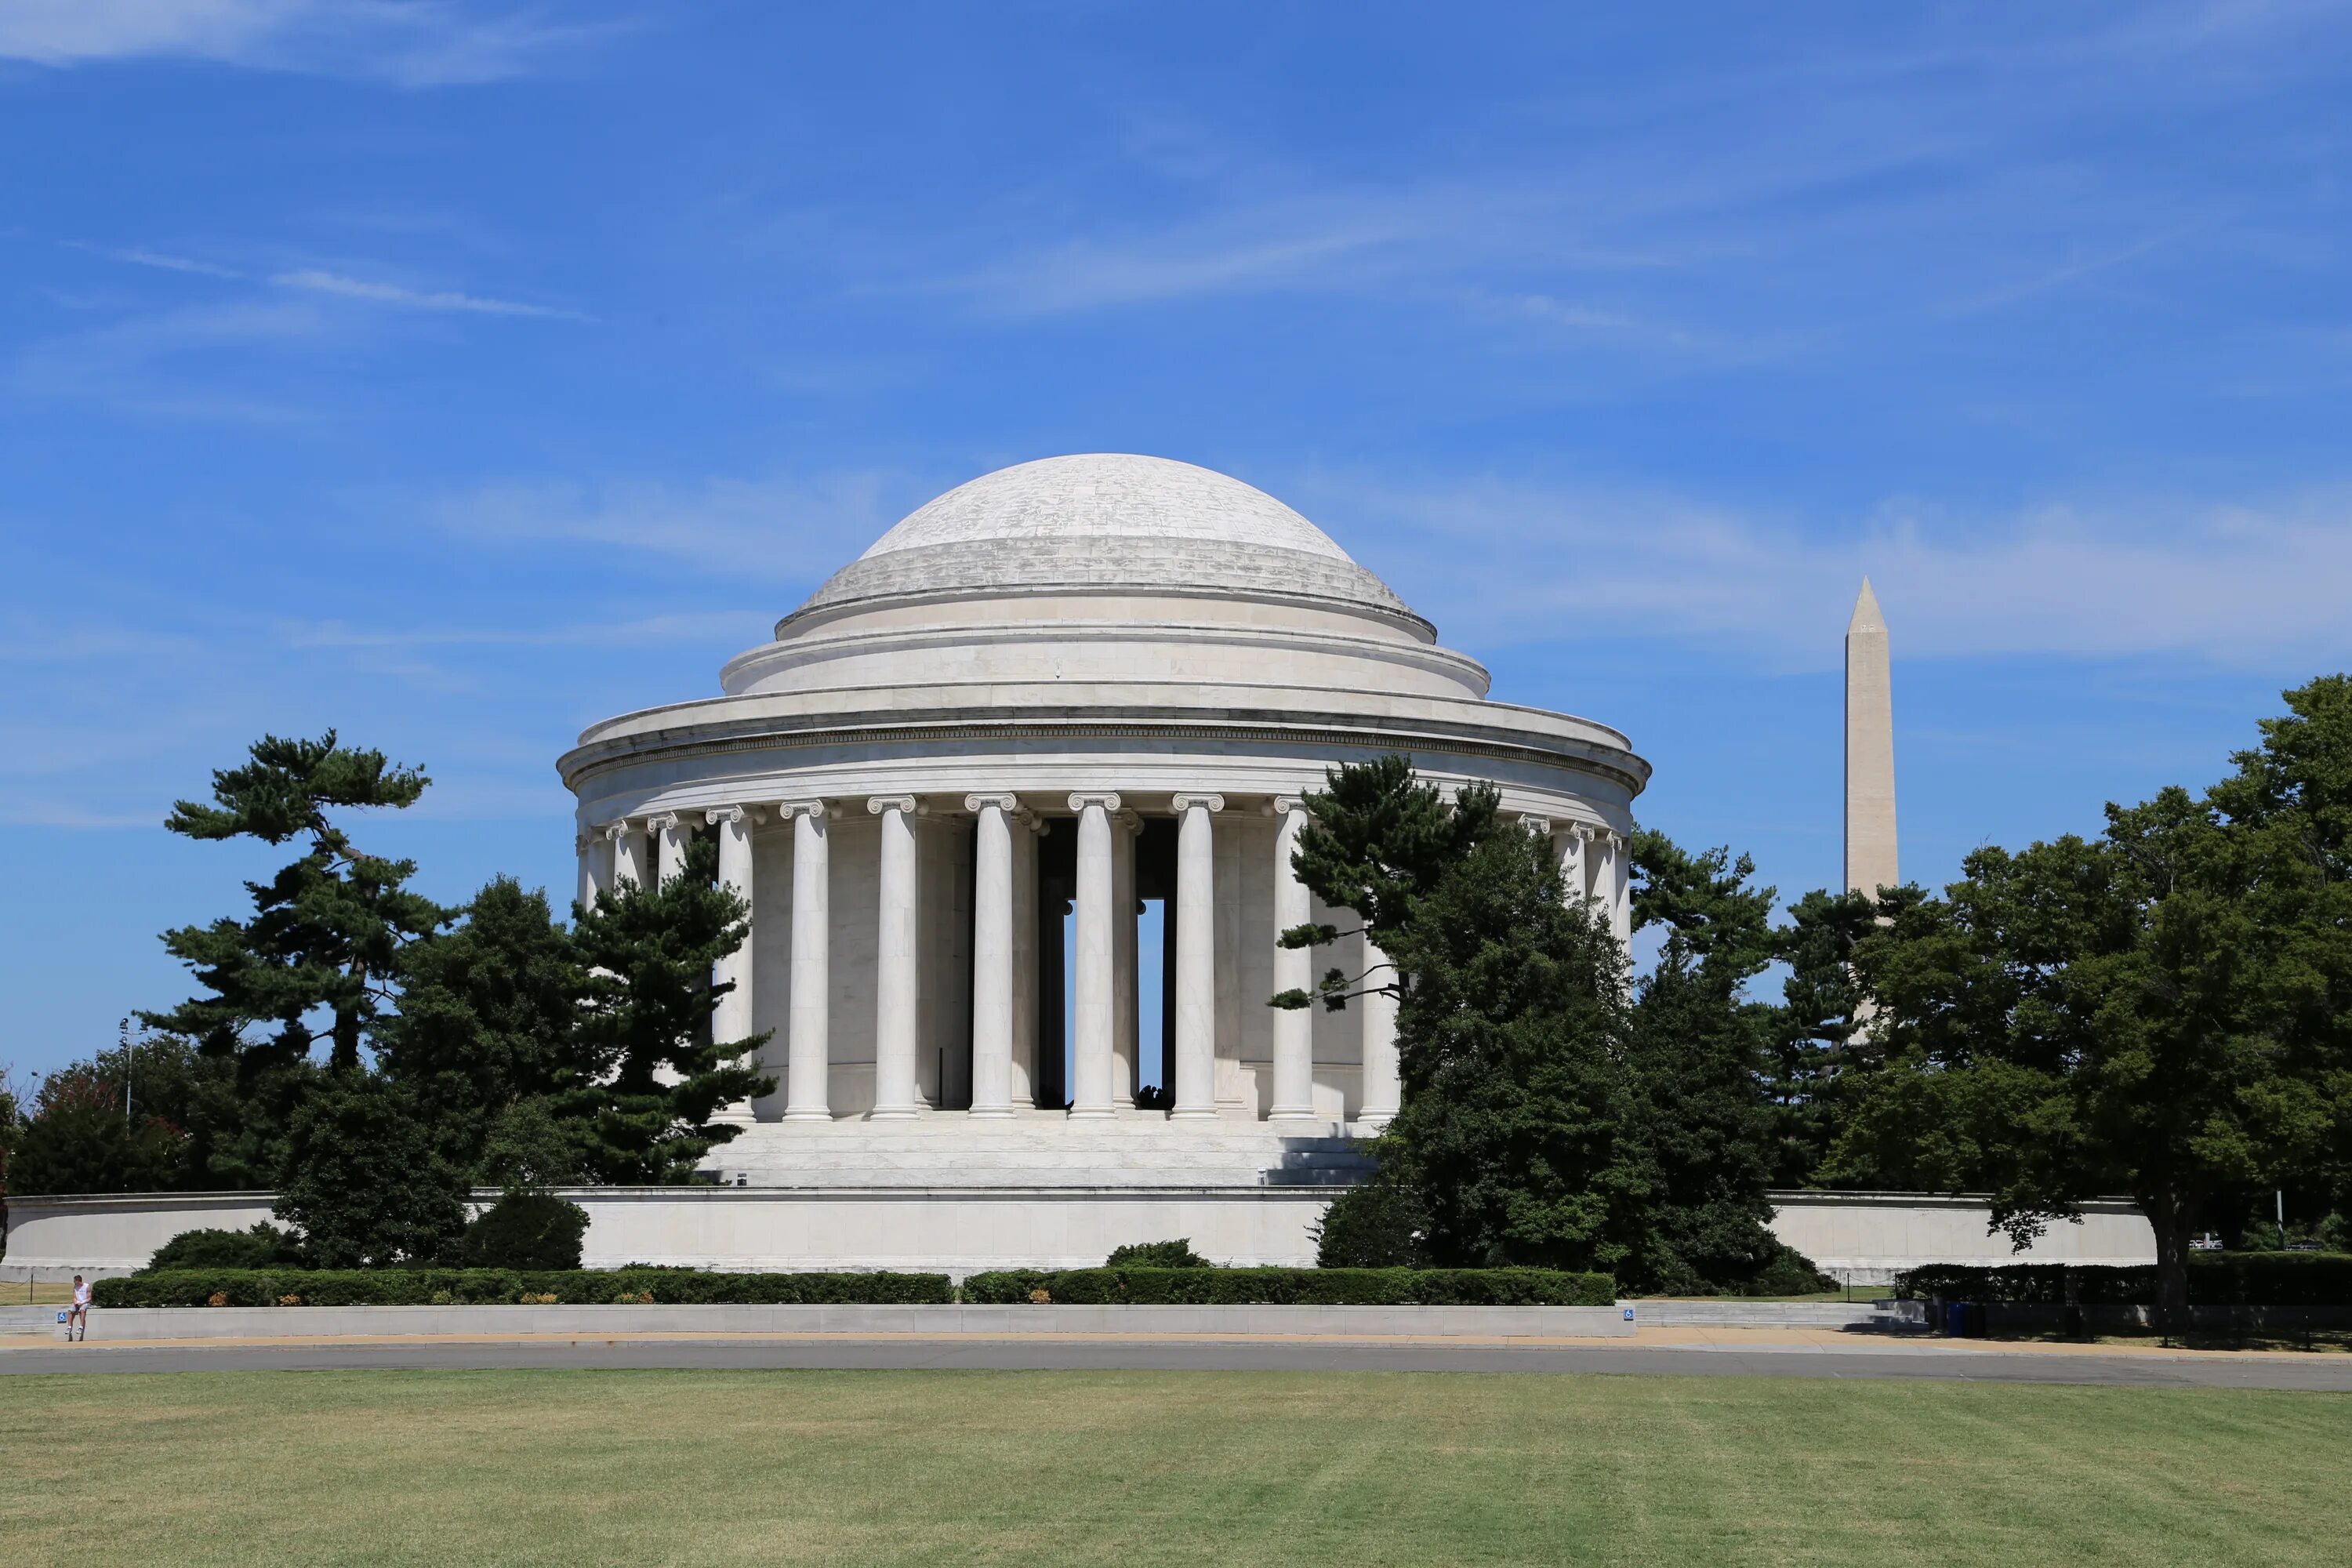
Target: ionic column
[[1600, 856], [1024, 959], [1126, 826], [895, 968], [1196, 956], [1572, 872], [808, 1045], [670, 836], [628, 843], [591, 847], [1621, 885], [731, 1018], [1294, 970], [991, 954], [1093, 985], [1382, 1087]]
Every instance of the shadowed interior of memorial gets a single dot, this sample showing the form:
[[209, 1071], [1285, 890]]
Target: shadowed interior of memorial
[[957, 778]]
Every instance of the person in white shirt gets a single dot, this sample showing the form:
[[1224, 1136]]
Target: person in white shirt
[[78, 1315]]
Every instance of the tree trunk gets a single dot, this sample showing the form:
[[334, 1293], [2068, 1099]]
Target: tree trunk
[[344, 1054], [2173, 1216]]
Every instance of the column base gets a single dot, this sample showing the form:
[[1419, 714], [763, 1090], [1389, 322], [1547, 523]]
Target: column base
[[990, 1112], [1374, 1118], [1291, 1113], [807, 1113], [1193, 1113], [1091, 1113], [892, 1113]]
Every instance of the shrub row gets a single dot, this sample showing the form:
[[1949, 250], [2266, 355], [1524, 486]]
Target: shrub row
[[494, 1287], [1295, 1287], [2215, 1279]]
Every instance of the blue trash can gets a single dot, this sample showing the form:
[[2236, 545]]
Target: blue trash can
[[1964, 1320]]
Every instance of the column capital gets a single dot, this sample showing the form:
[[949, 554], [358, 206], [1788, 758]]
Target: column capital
[[1580, 831], [904, 804], [1006, 802], [787, 810], [584, 838], [1186, 799], [1539, 825], [661, 821], [737, 814], [617, 829], [1284, 805], [1106, 799], [1127, 820]]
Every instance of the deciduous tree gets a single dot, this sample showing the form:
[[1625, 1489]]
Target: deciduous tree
[[2161, 1011]]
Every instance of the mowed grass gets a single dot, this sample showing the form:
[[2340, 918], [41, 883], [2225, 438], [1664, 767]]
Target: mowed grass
[[651, 1467]]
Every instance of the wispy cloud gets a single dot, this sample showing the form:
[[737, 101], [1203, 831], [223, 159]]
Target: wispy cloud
[[410, 43], [641, 631], [316, 282], [138, 256], [2094, 579], [69, 815], [139, 362], [342, 285], [782, 530]]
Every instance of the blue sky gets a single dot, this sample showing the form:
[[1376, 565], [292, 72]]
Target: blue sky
[[459, 374]]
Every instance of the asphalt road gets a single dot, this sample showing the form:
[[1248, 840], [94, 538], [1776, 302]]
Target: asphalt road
[[2317, 1374]]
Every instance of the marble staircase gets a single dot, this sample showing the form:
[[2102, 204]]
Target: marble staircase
[[1043, 1149]]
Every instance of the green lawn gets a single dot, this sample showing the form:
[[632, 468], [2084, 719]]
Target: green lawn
[[1348, 1469]]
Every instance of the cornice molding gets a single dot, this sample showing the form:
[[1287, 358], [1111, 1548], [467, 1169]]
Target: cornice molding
[[584, 763]]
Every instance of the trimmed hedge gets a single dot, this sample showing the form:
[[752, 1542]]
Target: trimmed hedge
[[1295, 1287], [500, 1286], [2215, 1279]]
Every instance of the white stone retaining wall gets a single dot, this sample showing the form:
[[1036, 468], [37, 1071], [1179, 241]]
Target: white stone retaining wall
[[1867, 1238], [1864, 1237]]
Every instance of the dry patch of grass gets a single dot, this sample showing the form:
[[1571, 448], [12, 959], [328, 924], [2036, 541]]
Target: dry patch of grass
[[17, 1293], [1149, 1467]]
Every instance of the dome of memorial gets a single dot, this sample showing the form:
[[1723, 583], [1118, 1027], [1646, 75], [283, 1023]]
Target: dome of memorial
[[1106, 522]]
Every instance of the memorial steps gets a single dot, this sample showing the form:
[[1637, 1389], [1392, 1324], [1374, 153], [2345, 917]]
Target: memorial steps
[[1043, 1149]]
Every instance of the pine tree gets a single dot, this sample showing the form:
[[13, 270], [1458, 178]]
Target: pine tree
[[1701, 1053], [646, 1077], [487, 1026], [317, 961], [1518, 1140]]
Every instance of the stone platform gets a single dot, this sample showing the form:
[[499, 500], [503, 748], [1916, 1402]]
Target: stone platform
[[1039, 1150]]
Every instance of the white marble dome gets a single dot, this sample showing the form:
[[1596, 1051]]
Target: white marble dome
[[1106, 495], [1101, 522]]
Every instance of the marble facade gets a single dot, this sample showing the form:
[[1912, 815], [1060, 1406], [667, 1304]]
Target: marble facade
[[950, 782]]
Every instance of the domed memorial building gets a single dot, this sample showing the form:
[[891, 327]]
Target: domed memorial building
[[950, 787]]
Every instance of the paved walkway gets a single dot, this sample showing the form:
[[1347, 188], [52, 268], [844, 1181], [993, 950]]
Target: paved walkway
[[1692, 1352]]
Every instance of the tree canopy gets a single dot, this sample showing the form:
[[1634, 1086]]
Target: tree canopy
[[1551, 1115], [2163, 1011], [318, 958]]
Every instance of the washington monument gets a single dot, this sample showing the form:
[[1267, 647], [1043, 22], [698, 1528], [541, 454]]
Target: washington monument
[[1869, 751]]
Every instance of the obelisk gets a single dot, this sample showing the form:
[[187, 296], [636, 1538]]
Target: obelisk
[[1869, 751]]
